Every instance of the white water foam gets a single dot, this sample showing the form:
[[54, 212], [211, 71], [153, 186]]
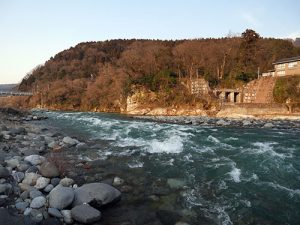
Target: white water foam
[[235, 174], [213, 139], [174, 144], [231, 139], [267, 147], [135, 164]]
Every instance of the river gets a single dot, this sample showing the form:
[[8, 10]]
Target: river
[[223, 175]]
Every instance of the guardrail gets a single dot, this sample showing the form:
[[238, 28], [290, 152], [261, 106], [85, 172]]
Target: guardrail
[[13, 93]]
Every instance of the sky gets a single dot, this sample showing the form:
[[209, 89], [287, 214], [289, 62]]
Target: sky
[[31, 31]]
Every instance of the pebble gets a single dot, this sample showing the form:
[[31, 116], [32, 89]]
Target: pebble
[[66, 182], [54, 212], [42, 182]]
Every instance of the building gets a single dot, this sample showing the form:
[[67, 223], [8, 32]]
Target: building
[[285, 67]]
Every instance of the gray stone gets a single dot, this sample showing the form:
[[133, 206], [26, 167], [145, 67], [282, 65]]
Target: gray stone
[[27, 211], [42, 182], [24, 195], [66, 182], [35, 159], [48, 188], [30, 178], [268, 125], [67, 216], [32, 169], [98, 193], [12, 163], [25, 187], [70, 141], [6, 189], [35, 193], [53, 144], [81, 146], [55, 181], [4, 173], [222, 122], [49, 170], [61, 197], [36, 215], [18, 176], [55, 213], [21, 206], [38, 202], [85, 214]]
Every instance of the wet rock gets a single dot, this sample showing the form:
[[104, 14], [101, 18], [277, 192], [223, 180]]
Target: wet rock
[[96, 193], [66, 182], [30, 178], [85, 214], [4, 173], [35, 159], [54, 212], [18, 176], [61, 197], [38, 202], [70, 141], [42, 182], [222, 122], [67, 216]]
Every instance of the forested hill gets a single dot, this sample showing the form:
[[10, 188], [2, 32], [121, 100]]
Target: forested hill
[[99, 73]]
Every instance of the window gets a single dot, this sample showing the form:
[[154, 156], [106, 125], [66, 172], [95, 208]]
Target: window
[[292, 64], [280, 66], [281, 73]]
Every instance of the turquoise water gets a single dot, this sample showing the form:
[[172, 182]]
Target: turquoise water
[[231, 175]]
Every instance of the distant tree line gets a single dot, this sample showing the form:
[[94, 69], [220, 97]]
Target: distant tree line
[[101, 74]]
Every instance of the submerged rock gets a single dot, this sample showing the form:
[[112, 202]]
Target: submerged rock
[[98, 194]]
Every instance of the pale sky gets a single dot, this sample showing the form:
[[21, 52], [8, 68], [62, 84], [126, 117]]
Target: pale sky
[[32, 31]]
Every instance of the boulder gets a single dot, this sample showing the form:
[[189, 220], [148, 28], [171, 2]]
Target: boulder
[[35, 159], [42, 182], [38, 202], [61, 197], [98, 194], [85, 214], [70, 141]]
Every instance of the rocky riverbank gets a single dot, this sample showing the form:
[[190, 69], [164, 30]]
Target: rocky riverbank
[[34, 188], [280, 123]]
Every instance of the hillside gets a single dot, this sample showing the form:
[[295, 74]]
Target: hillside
[[100, 75]]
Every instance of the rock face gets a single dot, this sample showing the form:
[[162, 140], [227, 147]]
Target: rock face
[[98, 194], [61, 197], [49, 170], [85, 214]]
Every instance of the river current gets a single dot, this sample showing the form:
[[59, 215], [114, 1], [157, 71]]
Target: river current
[[230, 175]]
